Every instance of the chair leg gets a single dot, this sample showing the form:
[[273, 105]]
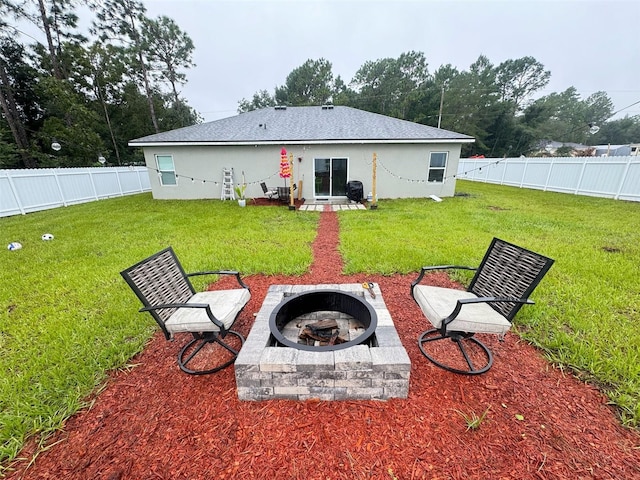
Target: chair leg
[[187, 354], [476, 363]]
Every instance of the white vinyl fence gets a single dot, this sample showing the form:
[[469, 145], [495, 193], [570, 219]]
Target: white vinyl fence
[[26, 191], [609, 177]]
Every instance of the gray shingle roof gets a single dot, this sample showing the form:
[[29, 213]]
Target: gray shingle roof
[[303, 125]]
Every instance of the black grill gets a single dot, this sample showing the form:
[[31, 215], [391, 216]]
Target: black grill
[[355, 192]]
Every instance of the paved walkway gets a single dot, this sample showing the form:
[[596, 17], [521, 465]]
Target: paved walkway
[[321, 207]]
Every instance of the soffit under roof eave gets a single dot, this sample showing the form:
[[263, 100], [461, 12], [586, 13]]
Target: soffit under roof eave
[[300, 142]]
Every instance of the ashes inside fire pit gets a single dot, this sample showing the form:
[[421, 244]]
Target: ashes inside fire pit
[[323, 320]]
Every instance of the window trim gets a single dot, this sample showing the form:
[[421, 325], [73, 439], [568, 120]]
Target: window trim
[[434, 169], [162, 172]]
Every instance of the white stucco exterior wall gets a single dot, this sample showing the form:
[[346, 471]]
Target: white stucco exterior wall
[[402, 168]]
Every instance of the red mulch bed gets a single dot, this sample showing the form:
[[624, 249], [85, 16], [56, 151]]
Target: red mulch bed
[[155, 422]]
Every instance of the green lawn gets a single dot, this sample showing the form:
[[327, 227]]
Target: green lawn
[[67, 316], [587, 315]]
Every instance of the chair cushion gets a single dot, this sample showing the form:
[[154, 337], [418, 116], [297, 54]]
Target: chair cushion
[[225, 305], [437, 303]]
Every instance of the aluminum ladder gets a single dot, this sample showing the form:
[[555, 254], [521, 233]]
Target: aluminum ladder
[[227, 192]]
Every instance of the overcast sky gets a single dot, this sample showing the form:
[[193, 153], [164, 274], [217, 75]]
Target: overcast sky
[[244, 46]]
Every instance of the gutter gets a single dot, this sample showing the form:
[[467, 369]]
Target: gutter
[[300, 142]]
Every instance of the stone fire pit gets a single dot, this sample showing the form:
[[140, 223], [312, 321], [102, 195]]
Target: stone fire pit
[[272, 366], [322, 320]]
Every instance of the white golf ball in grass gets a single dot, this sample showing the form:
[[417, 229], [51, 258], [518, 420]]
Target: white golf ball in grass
[[47, 236]]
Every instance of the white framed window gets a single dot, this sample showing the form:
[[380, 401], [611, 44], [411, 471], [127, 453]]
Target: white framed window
[[166, 169], [437, 166]]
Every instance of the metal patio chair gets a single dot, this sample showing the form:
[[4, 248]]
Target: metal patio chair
[[164, 289], [285, 192], [501, 285], [269, 192]]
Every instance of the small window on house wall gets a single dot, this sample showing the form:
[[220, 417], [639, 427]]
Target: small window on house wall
[[166, 169], [437, 166]]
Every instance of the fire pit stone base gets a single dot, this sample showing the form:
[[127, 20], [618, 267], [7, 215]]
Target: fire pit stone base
[[378, 370]]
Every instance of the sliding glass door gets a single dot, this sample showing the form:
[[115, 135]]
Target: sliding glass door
[[330, 177]]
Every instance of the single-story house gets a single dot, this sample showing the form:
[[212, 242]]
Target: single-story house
[[550, 147], [617, 150], [330, 145]]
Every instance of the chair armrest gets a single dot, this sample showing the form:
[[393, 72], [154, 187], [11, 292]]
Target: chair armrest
[[210, 314], [424, 270], [464, 301], [222, 272]]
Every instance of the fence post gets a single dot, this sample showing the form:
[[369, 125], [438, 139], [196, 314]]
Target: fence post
[[524, 172], [119, 183], [55, 177], [93, 185], [584, 167], [504, 170], [546, 182], [14, 191], [138, 177], [624, 177]]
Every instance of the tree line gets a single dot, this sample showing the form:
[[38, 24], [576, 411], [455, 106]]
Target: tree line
[[493, 103], [75, 96], [72, 98]]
